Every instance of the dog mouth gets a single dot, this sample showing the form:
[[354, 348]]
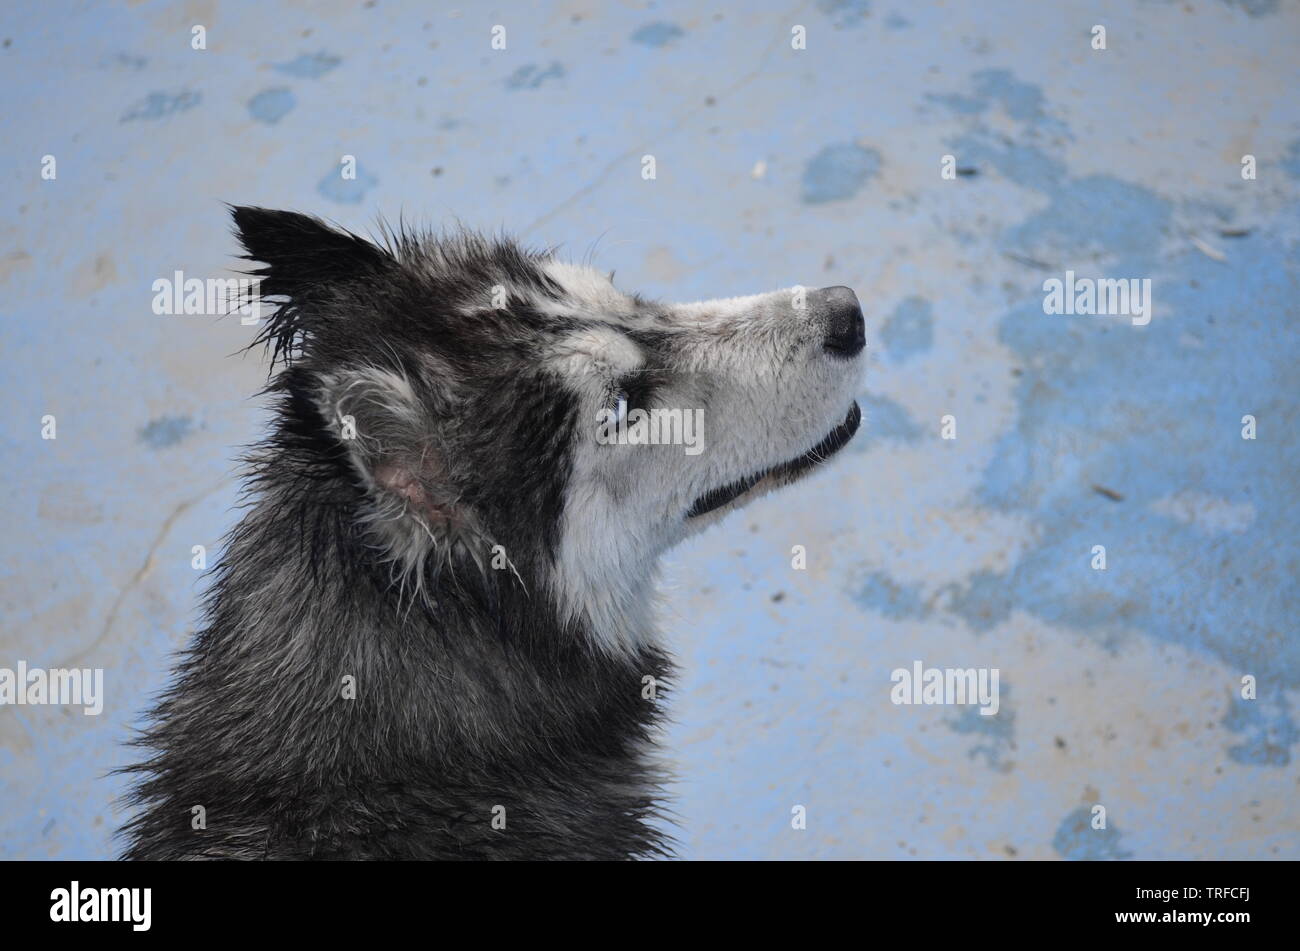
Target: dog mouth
[[787, 472]]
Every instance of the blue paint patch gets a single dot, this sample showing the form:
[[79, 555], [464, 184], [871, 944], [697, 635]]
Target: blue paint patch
[[1022, 101], [1022, 164], [984, 603], [166, 431], [1078, 841], [346, 191], [1266, 722], [889, 598], [838, 172], [272, 105], [1096, 215], [909, 330], [309, 65], [1149, 412], [996, 733], [896, 22], [159, 105], [531, 76], [883, 419], [1085, 217], [845, 13], [658, 34]]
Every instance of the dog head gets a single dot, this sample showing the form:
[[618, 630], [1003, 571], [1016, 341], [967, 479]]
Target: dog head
[[497, 406]]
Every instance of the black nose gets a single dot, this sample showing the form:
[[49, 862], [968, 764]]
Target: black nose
[[846, 331]]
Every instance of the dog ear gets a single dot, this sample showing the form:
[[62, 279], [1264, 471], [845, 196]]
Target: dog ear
[[303, 259], [394, 446]]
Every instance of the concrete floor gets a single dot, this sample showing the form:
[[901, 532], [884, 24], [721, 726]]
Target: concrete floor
[[775, 166]]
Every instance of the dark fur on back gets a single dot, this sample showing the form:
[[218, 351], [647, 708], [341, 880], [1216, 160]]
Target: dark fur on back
[[471, 691]]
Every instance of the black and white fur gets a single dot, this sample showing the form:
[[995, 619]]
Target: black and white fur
[[491, 683]]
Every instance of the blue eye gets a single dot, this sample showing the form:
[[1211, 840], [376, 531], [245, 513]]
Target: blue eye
[[619, 406]]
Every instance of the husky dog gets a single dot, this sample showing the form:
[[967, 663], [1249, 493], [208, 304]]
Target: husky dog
[[431, 635]]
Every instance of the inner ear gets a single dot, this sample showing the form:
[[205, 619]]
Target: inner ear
[[417, 486], [391, 440], [403, 482]]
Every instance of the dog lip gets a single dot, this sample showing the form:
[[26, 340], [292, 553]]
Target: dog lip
[[831, 443]]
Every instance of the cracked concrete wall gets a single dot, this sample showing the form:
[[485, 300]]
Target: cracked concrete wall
[[775, 166]]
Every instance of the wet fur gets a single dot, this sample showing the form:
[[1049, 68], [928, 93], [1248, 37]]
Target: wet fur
[[478, 685], [469, 696]]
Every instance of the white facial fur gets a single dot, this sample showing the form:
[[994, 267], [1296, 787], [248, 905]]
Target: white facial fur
[[769, 392]]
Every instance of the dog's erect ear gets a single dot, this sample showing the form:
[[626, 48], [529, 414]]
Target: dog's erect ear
[[301, 252], [303, 258]]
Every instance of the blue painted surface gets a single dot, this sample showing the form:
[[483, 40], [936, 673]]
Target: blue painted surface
[[1079, 839], [909, 330], [309, 65], [272, 105], [159, 105], [885, 419], [775, 166], [838, 171], [994, 735], [347, 186], [166, 431], [657, 34], [531, 75]]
